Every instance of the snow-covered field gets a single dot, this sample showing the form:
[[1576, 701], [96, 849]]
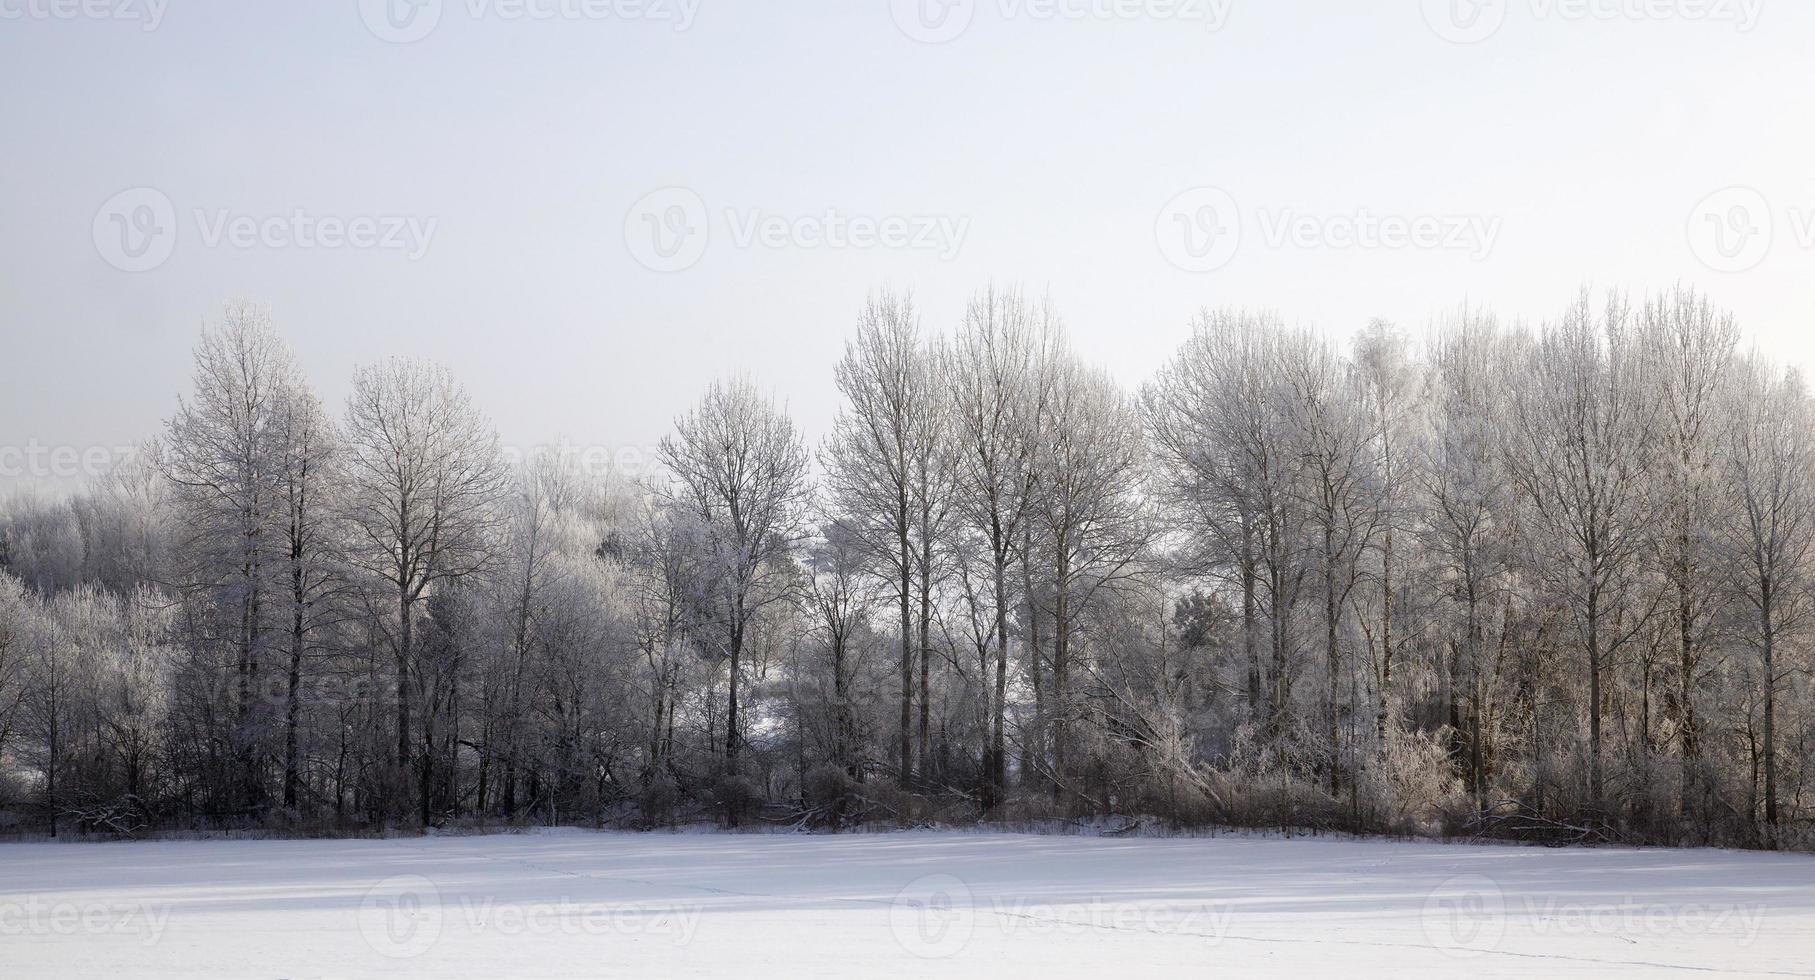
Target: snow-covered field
[[907, 904]]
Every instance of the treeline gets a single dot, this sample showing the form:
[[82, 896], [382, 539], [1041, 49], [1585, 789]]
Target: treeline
[[1546, 582]]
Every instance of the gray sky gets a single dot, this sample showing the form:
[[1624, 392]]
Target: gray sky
[[523, 191]]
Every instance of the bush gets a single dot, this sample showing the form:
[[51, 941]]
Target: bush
[[658, 800]]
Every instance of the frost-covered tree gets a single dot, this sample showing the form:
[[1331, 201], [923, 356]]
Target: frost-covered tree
[[738, 474], [1770, 471], [1581, 444], [876, 464], [227, 455], [424, 475], [998, 384]]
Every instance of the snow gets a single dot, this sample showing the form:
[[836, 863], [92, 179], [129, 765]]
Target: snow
[[893, 905]]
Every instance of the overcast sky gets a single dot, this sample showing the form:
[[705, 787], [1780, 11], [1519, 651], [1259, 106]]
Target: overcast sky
[[588, 209]]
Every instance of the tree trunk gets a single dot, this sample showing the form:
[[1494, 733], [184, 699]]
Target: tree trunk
[[1332, 657], [1061, 670], [1594, 694], [904, 737], [404, 697], [926, 650], [292, 701], [998, 740], [1250, 638], [1685, 617], [1769, 637], [1033, 744]]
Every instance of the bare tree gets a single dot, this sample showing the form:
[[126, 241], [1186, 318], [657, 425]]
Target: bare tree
[[227, 457], [538, 513], [1335, 439], [1693, 345], [1092, 517], [874, 465], [1581, 448], [1466, 516], [308, 536], [1218, 419], [424, 475], [933, 470], [998, 394], [738, 471], [1390, 389], [662, 588], [838, 600], [1770, 470]]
